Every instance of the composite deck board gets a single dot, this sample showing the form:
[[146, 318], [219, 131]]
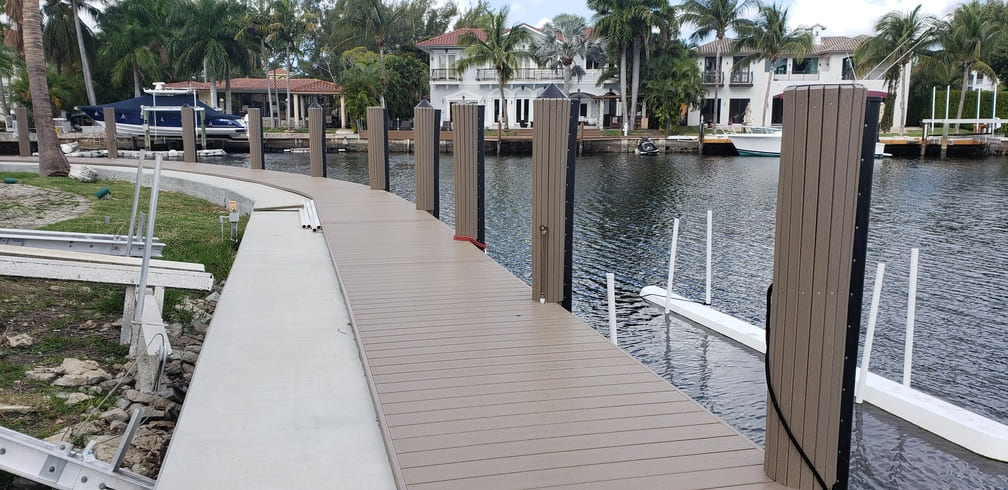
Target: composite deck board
[[478, 386]]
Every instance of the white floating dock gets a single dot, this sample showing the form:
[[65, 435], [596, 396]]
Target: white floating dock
[[979, 434]]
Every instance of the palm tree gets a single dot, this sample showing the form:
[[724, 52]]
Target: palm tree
[[500, 48], [129, 41], [769, 38], [626, 24], [287, 24], [899, 38], [52, 162], [566, 39], [206, 40], [381, 22], [967, 42], [715, 17], [674, 81], [255, 30], [76, 7]]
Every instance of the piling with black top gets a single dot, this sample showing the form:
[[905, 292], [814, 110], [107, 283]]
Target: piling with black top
[[377, 145], [554, 144], [110, 132], [188, 134], [426, 120], [255, 138], [316, 140], [24, 144], [818, 276], [469, 169]]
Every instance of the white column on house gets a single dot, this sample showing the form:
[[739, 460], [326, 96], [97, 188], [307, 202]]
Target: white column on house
[[342, 111], [297, 110]]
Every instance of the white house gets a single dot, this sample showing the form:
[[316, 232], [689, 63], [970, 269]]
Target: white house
[[599, 102], [742, 87]]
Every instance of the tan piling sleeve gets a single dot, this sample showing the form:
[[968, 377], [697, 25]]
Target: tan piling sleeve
[[427, 136], [188, 134], [316, 140], [255, 138], [24, 144], [377, 138], [816, 209], [110, 132]]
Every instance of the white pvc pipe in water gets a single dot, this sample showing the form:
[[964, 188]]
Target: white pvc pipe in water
[[870, 335], [710, 230], [671, 267], [911, 311], [611, 290]]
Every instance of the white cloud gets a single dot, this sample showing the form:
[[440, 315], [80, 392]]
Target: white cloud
[[854, 17]]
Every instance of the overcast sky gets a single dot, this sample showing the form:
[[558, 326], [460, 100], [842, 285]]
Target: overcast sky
[[841, 18]]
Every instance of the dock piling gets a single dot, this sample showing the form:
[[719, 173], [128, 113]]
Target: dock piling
[[188, 134], [316, 142], [24, 144], [469, 168], [110, 132], [427, 156], [554, 144], [255, 138], [377, 145], [814, 310]]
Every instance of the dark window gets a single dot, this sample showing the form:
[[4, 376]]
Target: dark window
[[807, 66], [737, 110], [848, 69], [780, 66], [496, 110], [584, 110]]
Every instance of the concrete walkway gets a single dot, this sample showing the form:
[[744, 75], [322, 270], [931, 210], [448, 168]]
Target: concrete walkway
[[278, 398]]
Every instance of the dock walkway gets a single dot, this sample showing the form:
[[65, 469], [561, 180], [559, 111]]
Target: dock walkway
[[475, 384]]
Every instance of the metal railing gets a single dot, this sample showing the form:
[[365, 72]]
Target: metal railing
[[521, 74], [444, 74], [741, 78], [713, 77]]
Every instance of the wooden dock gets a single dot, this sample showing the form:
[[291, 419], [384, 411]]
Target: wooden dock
[[478, 386]]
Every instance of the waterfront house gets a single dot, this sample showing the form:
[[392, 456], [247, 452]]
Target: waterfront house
[[251, 92], [599, 101], [742, 87]]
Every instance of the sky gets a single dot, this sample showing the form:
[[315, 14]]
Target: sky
[[841, 18]]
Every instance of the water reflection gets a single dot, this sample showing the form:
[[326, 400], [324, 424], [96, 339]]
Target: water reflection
[[953, 210]]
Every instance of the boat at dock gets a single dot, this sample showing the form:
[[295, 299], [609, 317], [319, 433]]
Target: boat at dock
[[158, 113], [763, 141]]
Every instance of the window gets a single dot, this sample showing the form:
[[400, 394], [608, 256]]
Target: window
[[592, 65], [496, 110], [979, 77], [780, 66], [848, 69], [584, 110], [710, 64], [807, 66], [737, 109]]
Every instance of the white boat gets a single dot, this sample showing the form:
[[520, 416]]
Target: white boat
[[159, 114], [766, 142]]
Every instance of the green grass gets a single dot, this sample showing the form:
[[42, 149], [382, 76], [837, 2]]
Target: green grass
[[9, 373], [188, 226]]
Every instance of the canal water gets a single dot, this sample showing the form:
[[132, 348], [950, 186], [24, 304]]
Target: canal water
[[954, 211]]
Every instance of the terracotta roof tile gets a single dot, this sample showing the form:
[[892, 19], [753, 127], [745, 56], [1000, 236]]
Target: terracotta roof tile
[[827, 44], [451, 39], [298, 85]]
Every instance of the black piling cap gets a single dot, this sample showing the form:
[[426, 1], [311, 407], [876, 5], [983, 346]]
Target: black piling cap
[[425, 104], [552, 92]]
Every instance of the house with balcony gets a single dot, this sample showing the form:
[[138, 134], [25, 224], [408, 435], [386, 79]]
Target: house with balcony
[[742, 88], [599, 106]]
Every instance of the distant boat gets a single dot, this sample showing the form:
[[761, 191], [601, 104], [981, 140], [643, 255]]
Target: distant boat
[[159, 113], [766, 142]]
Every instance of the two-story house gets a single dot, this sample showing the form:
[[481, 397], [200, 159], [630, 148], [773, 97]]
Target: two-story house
[[599, 102], [742, 87]]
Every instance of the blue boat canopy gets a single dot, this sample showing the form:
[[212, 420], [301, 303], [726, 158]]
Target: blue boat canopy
[[129, 111]]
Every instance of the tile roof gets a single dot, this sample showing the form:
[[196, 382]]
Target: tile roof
[[298, 85], [827, 44], [450, 39]]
